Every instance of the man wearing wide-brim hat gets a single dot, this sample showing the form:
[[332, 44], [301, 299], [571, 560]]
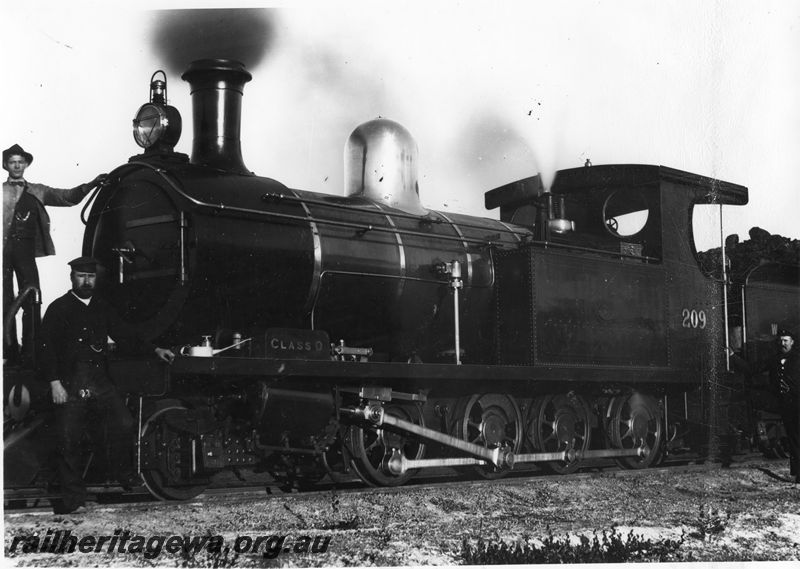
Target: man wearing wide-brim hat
[[26, 234]]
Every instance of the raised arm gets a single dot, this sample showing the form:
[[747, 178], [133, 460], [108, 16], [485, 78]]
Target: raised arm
[[64, 198]]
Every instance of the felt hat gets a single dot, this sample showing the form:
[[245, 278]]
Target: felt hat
[[15, 150]]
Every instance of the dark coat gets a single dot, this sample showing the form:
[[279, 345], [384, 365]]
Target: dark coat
[[45, 195], [784, 373], [74, 333]]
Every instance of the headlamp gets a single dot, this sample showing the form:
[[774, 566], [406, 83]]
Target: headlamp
[[157, 126]]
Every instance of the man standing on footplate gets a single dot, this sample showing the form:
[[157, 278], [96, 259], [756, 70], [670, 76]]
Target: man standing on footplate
[[26, 236], [75, 333]]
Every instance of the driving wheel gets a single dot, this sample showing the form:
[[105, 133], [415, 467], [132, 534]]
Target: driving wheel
[[491, 420], [371, 447], [558, 423], [635, 422]]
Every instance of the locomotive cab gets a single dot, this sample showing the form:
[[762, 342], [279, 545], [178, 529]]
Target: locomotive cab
[[616, 290], [623, 220]]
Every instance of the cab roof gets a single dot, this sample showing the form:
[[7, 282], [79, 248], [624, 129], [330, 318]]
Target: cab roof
[[710, 190]]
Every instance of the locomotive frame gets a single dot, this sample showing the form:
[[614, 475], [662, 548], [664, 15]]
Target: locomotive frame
[[553, 336]]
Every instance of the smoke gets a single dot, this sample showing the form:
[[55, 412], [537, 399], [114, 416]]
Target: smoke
[[183, 36], [495, 151]]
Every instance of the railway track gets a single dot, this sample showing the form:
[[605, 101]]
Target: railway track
[[34, 500]]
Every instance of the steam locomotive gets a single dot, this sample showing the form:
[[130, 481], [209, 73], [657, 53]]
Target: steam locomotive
[[367, 335]]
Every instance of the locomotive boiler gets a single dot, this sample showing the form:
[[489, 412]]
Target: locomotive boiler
[[367, 335], [205, 245]]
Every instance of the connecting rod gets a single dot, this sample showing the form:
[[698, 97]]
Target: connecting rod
[[500, 457], [398, 464]]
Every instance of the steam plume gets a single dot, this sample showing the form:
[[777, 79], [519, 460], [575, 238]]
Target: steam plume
[[183, 36]]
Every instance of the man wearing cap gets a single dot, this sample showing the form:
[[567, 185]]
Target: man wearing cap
[[75, 332], [26, 233], [784, 381]]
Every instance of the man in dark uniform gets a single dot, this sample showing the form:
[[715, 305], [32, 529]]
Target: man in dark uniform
[[26, 234], [75, 332], [784, 381]]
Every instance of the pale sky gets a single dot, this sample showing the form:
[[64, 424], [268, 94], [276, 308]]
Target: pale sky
[[492, 92]]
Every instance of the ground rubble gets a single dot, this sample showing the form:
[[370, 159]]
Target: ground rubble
[[745, 513]]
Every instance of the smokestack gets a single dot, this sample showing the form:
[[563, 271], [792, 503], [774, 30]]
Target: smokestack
[[217, 86]]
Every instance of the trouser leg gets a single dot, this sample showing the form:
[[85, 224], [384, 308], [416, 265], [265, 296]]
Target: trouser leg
[[792, 424], [24, 261], [10, 343], [119, 434], [69, 424]]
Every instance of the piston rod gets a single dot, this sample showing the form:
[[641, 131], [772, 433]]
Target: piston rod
[[398, 464]]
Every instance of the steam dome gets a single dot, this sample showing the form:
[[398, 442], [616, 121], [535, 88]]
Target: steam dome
[[380, 163]]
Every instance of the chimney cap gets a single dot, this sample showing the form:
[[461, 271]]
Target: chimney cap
[[216, 66]]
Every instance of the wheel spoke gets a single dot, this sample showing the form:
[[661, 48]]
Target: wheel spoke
[[377, 442], [557, 423], [370, 447], [635, 423], [628, 434], [490, 420]]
